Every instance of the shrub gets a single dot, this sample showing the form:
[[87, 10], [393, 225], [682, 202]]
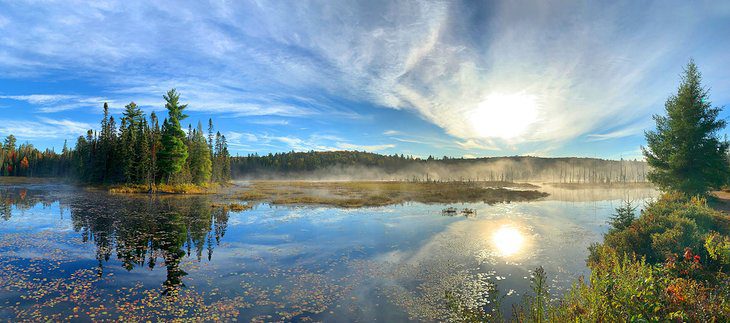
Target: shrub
[[668, 226]]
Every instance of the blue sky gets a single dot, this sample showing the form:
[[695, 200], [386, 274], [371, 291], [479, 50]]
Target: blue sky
[[442, 78]]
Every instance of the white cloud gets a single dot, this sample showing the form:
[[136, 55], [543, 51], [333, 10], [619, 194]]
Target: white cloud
[[44, 128], [349, 146], [39, 98], [50, 103], [621, 133], [270, 122], [472, 144], [318, 142]]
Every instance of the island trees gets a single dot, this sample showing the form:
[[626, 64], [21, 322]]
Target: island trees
[[138, 152], [685, 152]]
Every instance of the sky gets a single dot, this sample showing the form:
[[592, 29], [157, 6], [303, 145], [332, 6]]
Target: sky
[[454, 78]]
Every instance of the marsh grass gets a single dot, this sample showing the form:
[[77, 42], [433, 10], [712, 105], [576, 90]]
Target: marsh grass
[[378, 193], [211, 188], [235, 207]]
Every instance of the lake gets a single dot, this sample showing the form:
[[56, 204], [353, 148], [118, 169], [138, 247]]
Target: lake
[[68, 253]]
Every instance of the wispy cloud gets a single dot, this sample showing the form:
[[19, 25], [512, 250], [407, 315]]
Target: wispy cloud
[[269, 122], [44, 128], [472, 144], [50, 103], [318, 142], [349, 146], [616, 134]]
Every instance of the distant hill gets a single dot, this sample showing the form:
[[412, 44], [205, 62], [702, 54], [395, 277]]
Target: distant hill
[[343, 165]]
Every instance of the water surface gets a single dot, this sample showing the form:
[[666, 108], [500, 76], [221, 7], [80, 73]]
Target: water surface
[[69, 253]]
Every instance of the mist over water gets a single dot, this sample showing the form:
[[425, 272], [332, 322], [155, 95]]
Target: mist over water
[[521, 169]]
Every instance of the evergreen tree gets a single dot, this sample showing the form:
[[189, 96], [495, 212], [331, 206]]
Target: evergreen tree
[[200, 163], [225, 160], [210, 136], [173, 152], [155, 135], [684, 152], [101, 154], [130, 147], [143, 162], [10, 143]]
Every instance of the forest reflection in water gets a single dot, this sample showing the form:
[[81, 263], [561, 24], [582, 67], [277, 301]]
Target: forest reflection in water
[[140, 231]]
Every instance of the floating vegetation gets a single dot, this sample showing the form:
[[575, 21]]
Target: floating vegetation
[[451, 211], [374, 193], [235, 207], [469, 213], [188, 188]]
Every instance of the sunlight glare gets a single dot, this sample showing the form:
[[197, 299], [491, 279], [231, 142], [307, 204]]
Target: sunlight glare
[[504, 115], [508, 240]]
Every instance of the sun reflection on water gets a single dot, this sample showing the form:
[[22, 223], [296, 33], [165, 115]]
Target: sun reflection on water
[[508, 240]]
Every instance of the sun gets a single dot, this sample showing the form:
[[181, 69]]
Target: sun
[[508, 240], [505, 116]]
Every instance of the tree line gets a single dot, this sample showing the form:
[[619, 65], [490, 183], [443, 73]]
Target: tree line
[[138, 151], [402, 167]]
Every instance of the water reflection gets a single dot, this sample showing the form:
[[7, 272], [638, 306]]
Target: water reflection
[[390, 263], [508, 240], [141, 231]]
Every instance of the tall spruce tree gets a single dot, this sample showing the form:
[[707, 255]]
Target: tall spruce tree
[[173, 153], [685, 152]]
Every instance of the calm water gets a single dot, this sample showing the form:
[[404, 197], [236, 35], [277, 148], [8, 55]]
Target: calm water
[[68, 253]]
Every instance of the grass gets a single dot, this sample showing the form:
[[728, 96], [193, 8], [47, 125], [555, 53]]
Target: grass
[[377, 193], [235, 207], [210, 188]]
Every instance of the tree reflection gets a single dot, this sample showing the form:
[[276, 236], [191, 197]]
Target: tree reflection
[[21, 199], [141, 230]]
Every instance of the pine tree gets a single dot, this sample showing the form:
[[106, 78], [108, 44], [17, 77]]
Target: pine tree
[[131, 158], [200, 163], [684, 152], [154, 147], [217, 160], [10, 143], [173, 153], [102, 153], [210, 136], [142, 165], [226, 160]]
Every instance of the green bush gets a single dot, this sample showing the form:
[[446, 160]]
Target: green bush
[[718, 247], [667, 227]]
